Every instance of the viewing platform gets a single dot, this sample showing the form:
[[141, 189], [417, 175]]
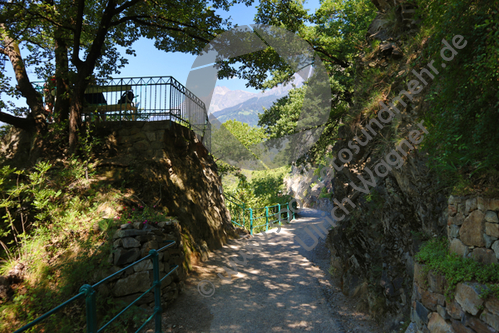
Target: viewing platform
[[144, 99]]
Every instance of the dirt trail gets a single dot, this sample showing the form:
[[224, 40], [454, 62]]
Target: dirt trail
[[281, 288]]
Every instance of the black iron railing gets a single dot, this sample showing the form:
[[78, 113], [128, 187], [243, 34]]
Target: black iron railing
[[142, 99]]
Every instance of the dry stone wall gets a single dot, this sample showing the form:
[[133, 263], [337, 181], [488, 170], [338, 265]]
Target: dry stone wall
[[472, 231], [133, 242], [473, 228]]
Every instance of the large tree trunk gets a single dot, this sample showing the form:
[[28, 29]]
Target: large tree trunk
[[77, 107], [62, 102]]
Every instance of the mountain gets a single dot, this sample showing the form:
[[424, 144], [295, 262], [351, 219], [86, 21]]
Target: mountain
[[245, 106]]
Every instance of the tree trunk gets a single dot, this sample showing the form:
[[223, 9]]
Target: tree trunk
[[33, 97], [62, 102]]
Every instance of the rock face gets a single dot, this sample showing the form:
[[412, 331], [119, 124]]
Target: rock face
[[167, 165], [386, 228]]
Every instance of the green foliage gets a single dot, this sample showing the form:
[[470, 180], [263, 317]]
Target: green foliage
[[462, 116], [244, 133], [48, 220], [281, 118], [435, 255], [235, 142], [265, 188], [334, 32], [142, 214]]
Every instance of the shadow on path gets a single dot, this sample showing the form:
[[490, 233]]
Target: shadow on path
[[279, 287]]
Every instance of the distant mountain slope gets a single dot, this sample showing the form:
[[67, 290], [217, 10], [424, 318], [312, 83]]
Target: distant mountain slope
[[247, 112], [244, 106]]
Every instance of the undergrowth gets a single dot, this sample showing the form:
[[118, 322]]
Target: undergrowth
[[435, 255], [57, 221]]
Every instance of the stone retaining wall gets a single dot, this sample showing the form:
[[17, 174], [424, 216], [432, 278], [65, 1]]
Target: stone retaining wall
[[473, 232], [133, 242], [473, 228]]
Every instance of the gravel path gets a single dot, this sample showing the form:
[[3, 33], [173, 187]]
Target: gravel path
[[281, 288]]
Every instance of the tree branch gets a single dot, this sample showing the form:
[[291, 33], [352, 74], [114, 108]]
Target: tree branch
[[23, 123], [334, 59], [126, 5], [75, 59], [137, 19]]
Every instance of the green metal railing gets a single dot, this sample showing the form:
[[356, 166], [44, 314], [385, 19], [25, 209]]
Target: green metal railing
[[249, 218], [89, 293]]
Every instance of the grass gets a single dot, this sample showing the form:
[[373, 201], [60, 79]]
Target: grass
[[63, 236]]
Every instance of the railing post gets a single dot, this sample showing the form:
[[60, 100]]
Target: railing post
[[266, 218], [243, 214], [91, 308], [279, 213], [251, 221], [287, 212], [157, 291]]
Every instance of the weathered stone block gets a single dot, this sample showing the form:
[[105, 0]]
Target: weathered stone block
[[492, 229], [491, 216], [126, 226], [156, 145], [485, 256], [492, 304], [436, 282], [452, 231], [441, 311], [419, 276], [477, 325], [453, 200], [420, 314], [125, 256], [143, 266], [411, 328], [151, 136], [151, 245], [457, 247], [129, 242], [117, 243], [458, 219], [468, 296], [138, 282], [489, 240], [452, 210], [129, 233], [138, 137], [495, 248], [471, 205], [141, 146], [458, 327], [472, 229], [461, 208], [454, 309], [482, 204], [431, 300], [491, 319], [494, 204], [437, 324]]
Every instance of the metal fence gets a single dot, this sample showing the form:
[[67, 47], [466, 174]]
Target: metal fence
[[142, 99], [89, 293], [258, 219]]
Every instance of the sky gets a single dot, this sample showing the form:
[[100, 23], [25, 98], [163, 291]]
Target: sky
[[152, 62]]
